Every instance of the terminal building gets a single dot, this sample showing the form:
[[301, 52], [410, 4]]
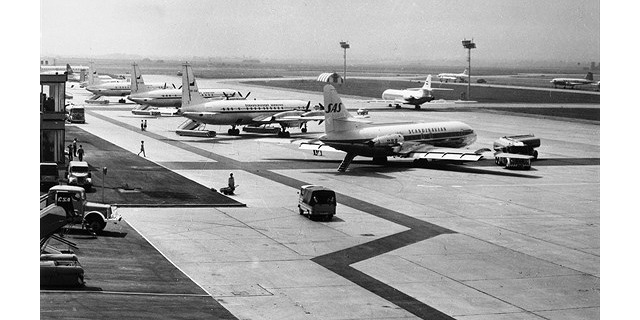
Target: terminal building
[[52, 117]]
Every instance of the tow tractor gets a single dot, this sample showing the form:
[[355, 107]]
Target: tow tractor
[[516, 152]]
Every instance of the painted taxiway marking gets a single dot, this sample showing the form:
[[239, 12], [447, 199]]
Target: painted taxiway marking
[[514, 185], [125, 293]]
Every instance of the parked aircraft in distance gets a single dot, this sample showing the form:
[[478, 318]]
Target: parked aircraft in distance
[[412, 96], [572, 82], [169, 97], [359, 137], [93, 78], [64, 68], [252, 113], [454, 76], [121, 88], [72, 76]]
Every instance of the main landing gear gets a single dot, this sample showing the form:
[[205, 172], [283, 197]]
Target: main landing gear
[[233, 131], [284, 134]]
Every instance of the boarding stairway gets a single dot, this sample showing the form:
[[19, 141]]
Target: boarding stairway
[[194, 128], [346, 162]]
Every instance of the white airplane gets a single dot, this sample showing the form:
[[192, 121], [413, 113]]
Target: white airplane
[[252, 113], [93, 78], [170, 97], [64, 68], [411, 96], [72, 76], [359, 137], [572, 82], [120, 88], [454, 76]]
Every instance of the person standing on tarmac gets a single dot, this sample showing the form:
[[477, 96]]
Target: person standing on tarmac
[[80, 153], [75, 147], [141, 125], [70, 147]]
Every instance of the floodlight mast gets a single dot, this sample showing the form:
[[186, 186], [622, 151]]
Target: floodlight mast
[[345, 46], [469, 44]]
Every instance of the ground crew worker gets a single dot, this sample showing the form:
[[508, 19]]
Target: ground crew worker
[[142, 149], [141, 125], [75, 147], [70, 147], [80, 153], [232, 182]]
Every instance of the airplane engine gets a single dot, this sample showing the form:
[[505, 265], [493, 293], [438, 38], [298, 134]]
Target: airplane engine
[[408, 96], [286, 114], [390, 140]]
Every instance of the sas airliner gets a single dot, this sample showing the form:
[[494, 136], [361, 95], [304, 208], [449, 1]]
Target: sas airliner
[[359, 137]]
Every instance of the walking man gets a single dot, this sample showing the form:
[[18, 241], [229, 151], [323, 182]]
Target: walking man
[[142, 149], [75, 146], [141, 125], [145, 125], [80, 153]]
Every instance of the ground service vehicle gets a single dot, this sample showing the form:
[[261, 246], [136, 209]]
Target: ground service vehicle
[[78, 174], [76, 114], [48, 175], [520, 144], [73, 199], [317, 201], [62, 270], [516, 151]]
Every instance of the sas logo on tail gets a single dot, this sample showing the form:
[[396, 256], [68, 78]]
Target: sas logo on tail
[[334, 107]]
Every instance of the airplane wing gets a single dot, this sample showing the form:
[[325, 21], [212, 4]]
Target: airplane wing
[[425, 151], [317, 147], [201, 114], [265, 119], [394, 101], [576, 83]]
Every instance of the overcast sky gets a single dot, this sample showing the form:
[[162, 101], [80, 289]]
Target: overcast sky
[[283, 29]]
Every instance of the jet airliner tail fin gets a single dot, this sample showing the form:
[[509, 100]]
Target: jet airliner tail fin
[[190, 93], [466, 71], [335, 113], [137, 83], [427, 84]]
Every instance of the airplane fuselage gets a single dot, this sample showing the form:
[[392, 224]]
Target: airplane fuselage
[[381, 140], [241, 112], [115, 89], [413, 97], [453, 76], [173, 97], [569, 82]]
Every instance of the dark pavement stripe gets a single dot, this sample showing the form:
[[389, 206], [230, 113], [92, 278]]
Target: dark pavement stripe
[[340, 261]]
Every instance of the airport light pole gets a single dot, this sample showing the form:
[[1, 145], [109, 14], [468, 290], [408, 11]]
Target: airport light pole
[[345, 46], [469, 44]]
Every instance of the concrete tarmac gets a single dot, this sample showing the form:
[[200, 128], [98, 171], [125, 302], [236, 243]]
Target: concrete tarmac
[[472, 241]]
